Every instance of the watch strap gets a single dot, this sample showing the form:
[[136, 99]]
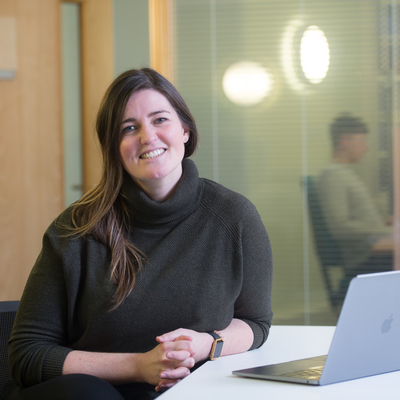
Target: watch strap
[[214, 335]]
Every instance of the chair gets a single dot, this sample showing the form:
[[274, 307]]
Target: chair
[[8, 310], [328, 251]]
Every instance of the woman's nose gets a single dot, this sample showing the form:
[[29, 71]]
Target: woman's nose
[[148, 134]]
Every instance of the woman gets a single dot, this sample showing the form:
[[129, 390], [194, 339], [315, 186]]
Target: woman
[[137, 282]]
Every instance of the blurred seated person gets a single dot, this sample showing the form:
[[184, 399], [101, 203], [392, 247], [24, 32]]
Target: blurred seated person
[[350, 213]]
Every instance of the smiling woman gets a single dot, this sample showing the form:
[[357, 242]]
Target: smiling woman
[[151, 273], [153, 143]]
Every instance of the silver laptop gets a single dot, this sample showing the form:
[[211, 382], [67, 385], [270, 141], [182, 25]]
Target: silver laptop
[[366, 341]]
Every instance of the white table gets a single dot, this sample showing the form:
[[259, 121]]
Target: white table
[[214, 380]]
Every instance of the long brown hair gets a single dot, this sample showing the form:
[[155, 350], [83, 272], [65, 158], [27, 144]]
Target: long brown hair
[[101, 212]]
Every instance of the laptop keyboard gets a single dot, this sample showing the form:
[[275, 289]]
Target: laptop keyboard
[[309, 373]]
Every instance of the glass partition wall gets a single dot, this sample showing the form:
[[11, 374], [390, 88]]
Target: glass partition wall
[[266, 80]]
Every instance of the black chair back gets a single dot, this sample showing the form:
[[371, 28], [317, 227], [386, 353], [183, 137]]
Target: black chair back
[[8, 310], [328, 251]]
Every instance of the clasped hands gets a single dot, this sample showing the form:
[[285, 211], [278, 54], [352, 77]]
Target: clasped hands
[[174, 356]]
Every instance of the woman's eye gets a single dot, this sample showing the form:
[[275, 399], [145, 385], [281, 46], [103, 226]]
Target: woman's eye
[[128, 129], [160, 120]]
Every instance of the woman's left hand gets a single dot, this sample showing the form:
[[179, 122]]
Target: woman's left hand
[[201, 341], [200, 349]]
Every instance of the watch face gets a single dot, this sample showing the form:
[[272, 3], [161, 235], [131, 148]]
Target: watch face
[[216, 349]]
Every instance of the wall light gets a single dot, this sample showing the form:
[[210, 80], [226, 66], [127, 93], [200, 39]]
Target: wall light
[[247, 83], [314, 54], [304, 54]]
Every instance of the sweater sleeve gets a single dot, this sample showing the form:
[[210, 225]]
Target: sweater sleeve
[[38, 343], [253, 305]]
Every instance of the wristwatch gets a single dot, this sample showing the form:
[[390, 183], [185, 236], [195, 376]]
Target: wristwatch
[[216, 348]]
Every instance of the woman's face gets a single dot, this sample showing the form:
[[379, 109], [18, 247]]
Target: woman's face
[[152, 143]]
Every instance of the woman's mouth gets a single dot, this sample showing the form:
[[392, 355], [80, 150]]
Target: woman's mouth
[[152, 154]]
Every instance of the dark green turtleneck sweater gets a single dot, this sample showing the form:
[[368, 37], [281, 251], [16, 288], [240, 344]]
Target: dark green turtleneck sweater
[[209, 260]]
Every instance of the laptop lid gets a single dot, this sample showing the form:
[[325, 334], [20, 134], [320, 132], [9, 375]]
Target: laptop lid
[[365, 341]]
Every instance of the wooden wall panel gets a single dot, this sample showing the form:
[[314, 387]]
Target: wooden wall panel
[[31, 186], [31, 177]]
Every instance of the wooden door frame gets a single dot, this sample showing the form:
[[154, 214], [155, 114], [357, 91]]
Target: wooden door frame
[[161, 37], [97, 72]]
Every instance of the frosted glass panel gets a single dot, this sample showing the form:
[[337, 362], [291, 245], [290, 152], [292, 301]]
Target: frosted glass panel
[[275, 149], [72, 120]]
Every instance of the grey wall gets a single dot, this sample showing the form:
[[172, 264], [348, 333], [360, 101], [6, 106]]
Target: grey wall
[[131, 30]]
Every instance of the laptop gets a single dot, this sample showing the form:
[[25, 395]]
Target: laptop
[[366, 340]]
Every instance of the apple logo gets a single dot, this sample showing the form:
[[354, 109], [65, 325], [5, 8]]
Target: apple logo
[[387, 325]]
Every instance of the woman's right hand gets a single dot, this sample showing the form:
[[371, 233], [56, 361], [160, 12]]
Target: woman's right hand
[[163, 366], [167, 363]]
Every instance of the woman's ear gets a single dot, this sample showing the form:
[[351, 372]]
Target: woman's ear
[[186, 134]]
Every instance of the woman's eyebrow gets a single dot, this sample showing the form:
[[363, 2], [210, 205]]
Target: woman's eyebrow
[[152, 114], [128, 120]]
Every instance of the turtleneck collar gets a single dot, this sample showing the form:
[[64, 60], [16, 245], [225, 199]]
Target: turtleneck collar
[[185, 198]]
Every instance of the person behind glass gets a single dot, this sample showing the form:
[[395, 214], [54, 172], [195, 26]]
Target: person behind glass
[[348, 207], [137, 282]]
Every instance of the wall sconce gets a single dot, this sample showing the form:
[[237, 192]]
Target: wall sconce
[[305, 55], [247, 83], [314, 54]]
